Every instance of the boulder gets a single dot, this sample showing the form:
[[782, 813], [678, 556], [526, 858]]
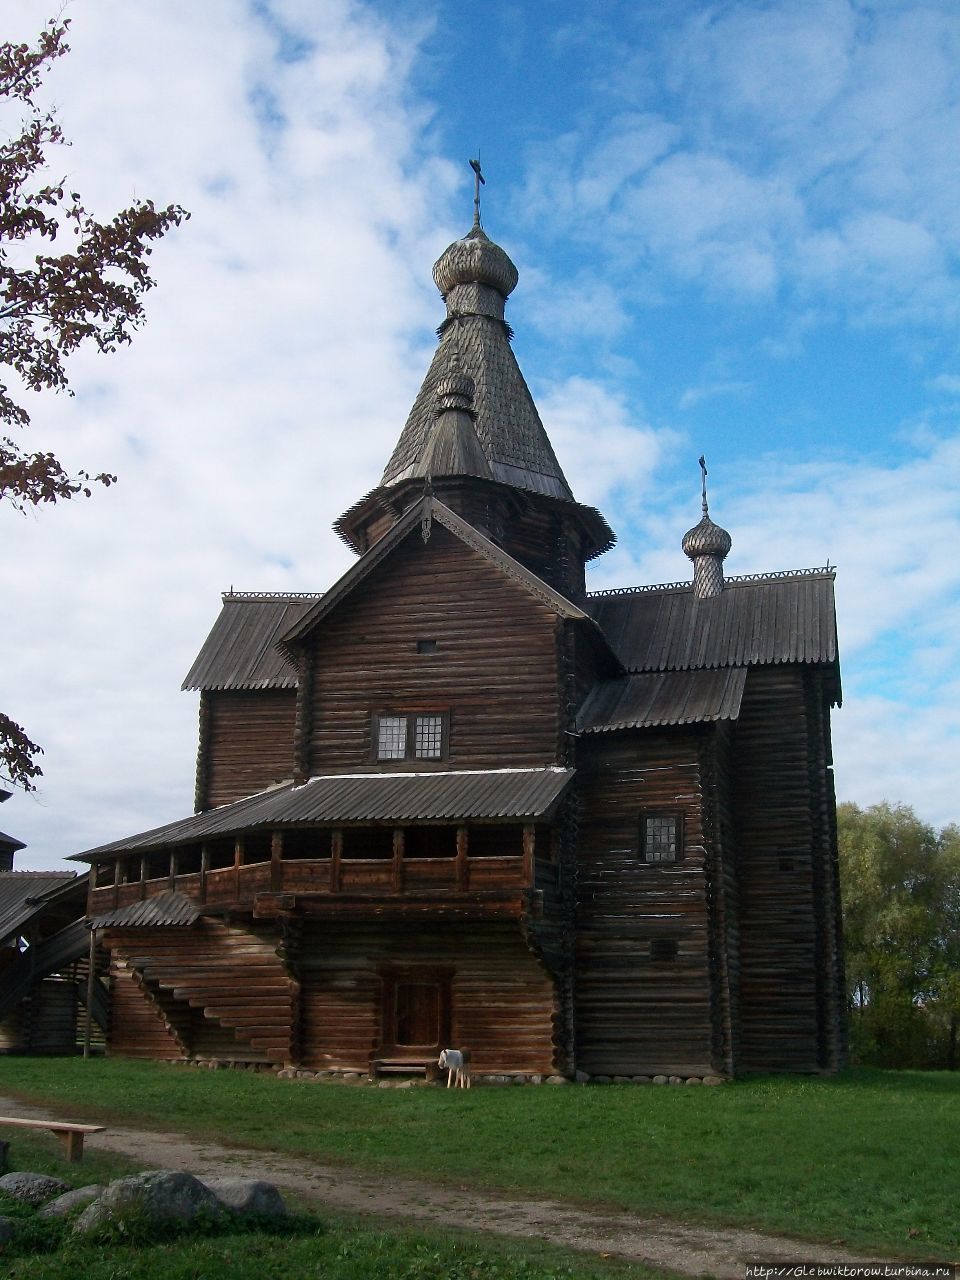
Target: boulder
[[713, 1080], [32, 1188], [557, 1080], [694, 1080], [247, 1195], [603, 1079], [641, 1079], [70, 1200], [581, 1077], [659, 1079], [157, 1195]]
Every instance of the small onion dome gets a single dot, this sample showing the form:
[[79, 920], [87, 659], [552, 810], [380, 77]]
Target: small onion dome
[[455, 391], [707, 545], [475, 260], [706, 539]]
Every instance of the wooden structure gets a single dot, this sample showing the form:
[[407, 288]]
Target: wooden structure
[[44, 964], [70, 1133], [458, 800]]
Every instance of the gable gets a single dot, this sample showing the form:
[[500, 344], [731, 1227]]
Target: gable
[[491, 665], [419, 521]]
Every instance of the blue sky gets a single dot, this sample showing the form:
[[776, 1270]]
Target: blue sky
[[737, 227]]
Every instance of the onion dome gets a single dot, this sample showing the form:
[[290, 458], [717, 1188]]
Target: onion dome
[[706, 539], [707, 545], [475, 260], [455, 391]]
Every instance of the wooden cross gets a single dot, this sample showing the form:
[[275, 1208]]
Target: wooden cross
[[478, 178], [703, 468]]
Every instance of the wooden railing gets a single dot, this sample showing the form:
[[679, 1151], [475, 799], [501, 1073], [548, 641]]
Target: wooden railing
[[335, 875]]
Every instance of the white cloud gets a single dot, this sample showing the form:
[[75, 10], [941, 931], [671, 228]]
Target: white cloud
[[261, 398]]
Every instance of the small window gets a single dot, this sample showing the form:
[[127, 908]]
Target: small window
[[414, 736], [428, 737], [426, 646], [661, 837], [663, 949], [392, 738]]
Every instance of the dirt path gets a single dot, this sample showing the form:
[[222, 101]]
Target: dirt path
[[658, 1242]]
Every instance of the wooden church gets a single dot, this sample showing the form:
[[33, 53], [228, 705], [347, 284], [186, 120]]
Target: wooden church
[[459, 800]]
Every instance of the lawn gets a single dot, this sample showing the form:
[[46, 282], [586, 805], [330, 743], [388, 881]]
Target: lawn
[[869, 1158], [302, 1247]]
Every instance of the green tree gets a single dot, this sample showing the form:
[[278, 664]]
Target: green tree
[[901, 902], [66, 280]]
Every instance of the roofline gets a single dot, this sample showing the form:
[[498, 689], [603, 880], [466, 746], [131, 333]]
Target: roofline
[[744, 579], [389, 494], [427, 509]]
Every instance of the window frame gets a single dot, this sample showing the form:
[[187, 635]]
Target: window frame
[[676, 816], [410, 743]]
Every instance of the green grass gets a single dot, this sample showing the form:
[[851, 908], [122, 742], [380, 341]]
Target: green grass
[[871, 1158]]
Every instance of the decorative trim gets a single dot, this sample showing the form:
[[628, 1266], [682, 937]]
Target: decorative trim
[[271, 595], [778, 575]]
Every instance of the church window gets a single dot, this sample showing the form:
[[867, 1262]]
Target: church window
[[428, 737], [413, 736], [661, 837], [426, 646], [391, 737]]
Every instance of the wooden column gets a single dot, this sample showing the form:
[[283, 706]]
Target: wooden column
[[204, 870], [529, 844], [237, 864], [172, 878], [398, 860], [143, 877], [91, 985], [462, 866], [276, 861], [116, 882], [336, 853]]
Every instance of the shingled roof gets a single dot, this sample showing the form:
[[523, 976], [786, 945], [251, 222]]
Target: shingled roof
[[770, 618], [507, 424]]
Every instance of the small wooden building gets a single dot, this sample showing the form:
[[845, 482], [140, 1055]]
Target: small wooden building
[[457, 799]]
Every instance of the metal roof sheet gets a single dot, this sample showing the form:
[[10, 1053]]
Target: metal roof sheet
[[240, 652], [24, 894], [663, 698], [167, 910], [772, 618], [360, 798]]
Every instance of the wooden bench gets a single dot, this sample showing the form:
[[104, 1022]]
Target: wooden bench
[[71, 1135]]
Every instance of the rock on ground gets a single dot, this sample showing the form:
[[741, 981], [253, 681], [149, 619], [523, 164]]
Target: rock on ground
[[32, 1188], [157, 1195], [71, 1200], [247, 1195]]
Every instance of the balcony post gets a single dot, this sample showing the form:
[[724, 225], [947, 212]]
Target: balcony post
[[529, 844], [336, 853], [143, 876], [204, 870], [397, 867], [463, 867], [172, 880], [276, 861], [237, 864]]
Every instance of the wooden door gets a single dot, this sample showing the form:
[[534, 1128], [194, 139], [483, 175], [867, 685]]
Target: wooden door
[[416, 1012]]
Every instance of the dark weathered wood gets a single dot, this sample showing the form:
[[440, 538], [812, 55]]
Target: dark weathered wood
[[248, 743]]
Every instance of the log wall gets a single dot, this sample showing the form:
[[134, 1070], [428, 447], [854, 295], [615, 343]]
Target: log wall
[[246, 743], [778, 755], [502, 1000], [636, 1013], [214, 990], [495, 668]]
